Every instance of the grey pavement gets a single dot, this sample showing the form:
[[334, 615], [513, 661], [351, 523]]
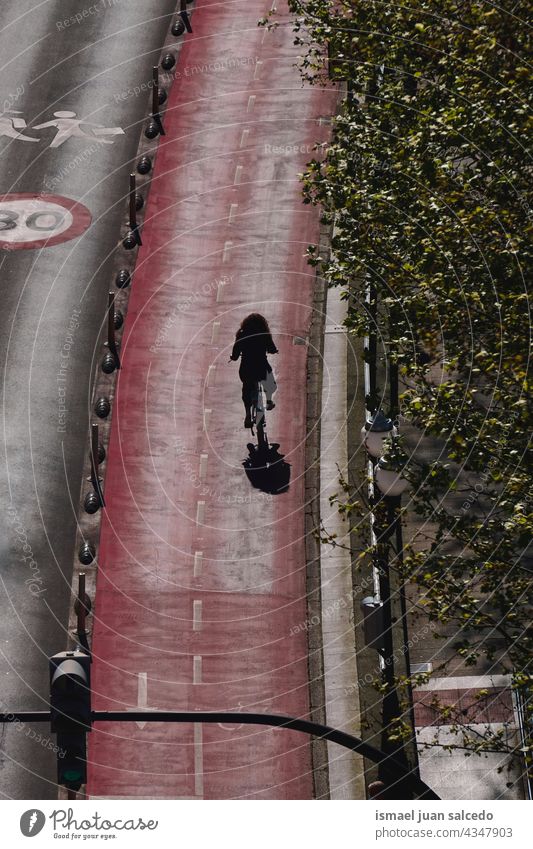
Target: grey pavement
[[53, 302], [346, 771]]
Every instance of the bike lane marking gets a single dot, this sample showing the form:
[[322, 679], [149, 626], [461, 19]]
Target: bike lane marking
[[210, 379], [197, 669], [227, 250], [197, 615], [197, 570]]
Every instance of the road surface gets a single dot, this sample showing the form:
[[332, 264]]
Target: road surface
[[53, 300], [201, 589]]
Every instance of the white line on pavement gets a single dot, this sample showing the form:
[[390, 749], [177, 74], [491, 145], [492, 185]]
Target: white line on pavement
[[198, 760], [197, 615], [197, 669], [210, 379], [198, 558], [200, 510]]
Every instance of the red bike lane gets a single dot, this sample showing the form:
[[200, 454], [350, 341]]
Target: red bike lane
[[200, 601]]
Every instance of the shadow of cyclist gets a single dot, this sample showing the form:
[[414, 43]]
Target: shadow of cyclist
[[267, 470]]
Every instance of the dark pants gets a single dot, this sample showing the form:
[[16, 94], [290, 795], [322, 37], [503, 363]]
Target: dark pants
[[250, 377], [248, 393]]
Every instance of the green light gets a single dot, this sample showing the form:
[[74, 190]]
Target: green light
[[72, 775]]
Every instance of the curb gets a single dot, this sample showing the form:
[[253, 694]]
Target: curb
[[317, 699]]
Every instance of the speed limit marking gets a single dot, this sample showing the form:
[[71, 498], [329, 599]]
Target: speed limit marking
[[29, 221]]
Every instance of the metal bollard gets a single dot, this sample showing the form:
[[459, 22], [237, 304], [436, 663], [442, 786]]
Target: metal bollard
[[111, 341], [81, 611], [134, 227], [156, 116], [82, 606], [95, 462], [184, 15]]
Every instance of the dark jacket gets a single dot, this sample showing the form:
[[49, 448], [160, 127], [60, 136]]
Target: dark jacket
[[253, 351]]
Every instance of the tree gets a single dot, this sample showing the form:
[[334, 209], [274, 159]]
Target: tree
[[428, 183]]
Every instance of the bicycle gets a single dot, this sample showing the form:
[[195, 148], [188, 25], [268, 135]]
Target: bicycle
[[258, 413]]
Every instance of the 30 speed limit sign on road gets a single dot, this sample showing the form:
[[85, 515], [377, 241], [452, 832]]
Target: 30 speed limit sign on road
[[29, 221]]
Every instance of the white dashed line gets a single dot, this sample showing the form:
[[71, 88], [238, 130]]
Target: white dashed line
[[210, 379], [197, 669], [198, 760], [203, 466], [237, 178], [197, 615], [227, 251], [142, 690], [214, 332], [251, 103], [207, 416], [258, 66], [232, 210], [244, 137], [198, 560], [200, 510]]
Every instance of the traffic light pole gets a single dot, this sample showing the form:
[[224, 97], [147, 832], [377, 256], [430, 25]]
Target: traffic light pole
[[393, 767]]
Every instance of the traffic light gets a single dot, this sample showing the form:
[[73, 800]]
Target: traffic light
[[71, 759], [70, 713]]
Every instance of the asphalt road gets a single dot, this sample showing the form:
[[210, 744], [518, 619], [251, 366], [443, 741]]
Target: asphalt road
[[53, 300]]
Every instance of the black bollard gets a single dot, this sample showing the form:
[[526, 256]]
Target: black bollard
[[144, 165], [111, 341], [87, 553]]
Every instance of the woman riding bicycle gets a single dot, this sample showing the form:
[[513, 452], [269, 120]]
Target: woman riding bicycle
[[253, 341]]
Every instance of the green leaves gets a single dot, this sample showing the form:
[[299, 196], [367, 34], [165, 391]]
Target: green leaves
[[429, 184]]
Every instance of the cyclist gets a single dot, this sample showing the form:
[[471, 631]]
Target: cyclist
[[253, 341]]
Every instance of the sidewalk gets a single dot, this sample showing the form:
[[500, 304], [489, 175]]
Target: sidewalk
[[202, 577], [341, 684]]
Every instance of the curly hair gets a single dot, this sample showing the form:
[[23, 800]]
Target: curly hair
[[253, 324]]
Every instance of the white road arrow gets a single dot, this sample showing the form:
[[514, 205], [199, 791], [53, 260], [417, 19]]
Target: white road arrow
[[142, 694]]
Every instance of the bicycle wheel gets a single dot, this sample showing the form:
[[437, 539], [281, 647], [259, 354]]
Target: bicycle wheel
[[253, 407], [262, 439]]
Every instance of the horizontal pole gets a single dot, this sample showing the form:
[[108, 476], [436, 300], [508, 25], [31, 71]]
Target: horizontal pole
[[26, 716], [396, 769]]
